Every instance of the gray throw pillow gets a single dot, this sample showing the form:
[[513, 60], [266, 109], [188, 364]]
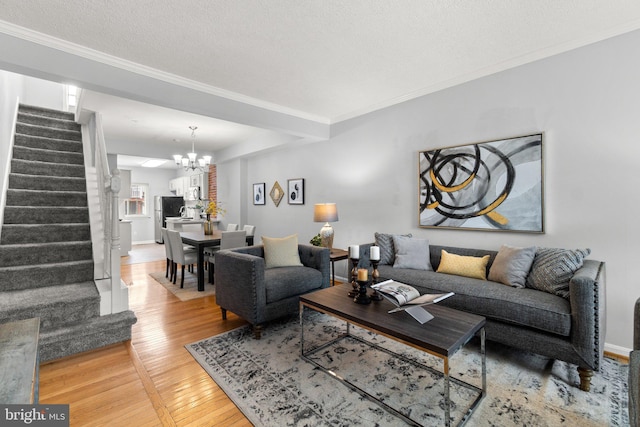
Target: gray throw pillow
[[553, 268], [387, 250], [512, 265], [411, 253]]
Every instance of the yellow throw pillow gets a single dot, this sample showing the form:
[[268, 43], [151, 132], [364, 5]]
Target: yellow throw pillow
[[281, 251], [467, 266]]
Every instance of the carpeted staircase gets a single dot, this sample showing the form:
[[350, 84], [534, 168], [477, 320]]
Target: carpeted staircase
[[46, 259]]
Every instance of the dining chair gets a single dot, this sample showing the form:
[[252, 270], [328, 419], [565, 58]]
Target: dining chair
[[180, 256], [250, 229], [168, 254], [232, 227], [228, 240]]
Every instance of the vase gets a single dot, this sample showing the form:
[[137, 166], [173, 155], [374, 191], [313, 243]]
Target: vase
[[208, 225]]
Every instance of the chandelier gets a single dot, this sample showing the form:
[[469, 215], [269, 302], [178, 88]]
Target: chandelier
[[190, 162]]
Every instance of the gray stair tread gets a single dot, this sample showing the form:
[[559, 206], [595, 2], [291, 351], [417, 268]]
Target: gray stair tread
[[66, 264], [11, 301]]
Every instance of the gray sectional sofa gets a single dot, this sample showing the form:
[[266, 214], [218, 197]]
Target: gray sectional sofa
[[568, 328]]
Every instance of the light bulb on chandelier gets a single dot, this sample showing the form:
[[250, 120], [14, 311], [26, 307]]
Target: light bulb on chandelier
[[191, 162]]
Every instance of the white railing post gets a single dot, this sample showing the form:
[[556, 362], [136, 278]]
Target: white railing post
[[116, 293]]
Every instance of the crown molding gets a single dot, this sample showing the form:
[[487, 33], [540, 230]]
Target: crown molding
[[114, 61]]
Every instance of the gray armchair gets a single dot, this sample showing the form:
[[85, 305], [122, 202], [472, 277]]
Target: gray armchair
[[245, 287], [634, 371]]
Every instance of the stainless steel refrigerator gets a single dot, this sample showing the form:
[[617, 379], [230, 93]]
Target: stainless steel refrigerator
[[165, 206]]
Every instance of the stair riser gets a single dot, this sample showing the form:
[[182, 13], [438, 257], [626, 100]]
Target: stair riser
[[56, 314], [45, 112], [24, 234], [49, 169], [50, 183], [32, 130], [45, 198], [21, 215], [38, 276], [47, 144], [50, 122], [49, 156], [14, 255], [98, 332]]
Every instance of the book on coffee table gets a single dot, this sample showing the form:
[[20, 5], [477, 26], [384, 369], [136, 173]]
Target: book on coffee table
[[407, 298]]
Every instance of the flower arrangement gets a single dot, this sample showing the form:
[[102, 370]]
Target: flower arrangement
[[215, 209]]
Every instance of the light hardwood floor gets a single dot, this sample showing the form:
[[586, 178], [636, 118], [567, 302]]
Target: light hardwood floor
[[151, 380]]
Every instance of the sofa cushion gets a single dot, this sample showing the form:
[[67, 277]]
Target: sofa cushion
[[411, 253], [281, 251], [512, 265], [286, 282], [518, 306], [387, 249], [553, 268], [467, 266]]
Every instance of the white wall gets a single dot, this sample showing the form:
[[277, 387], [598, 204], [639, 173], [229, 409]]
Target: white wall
[[587, 102], [10, 89], [143, 229]]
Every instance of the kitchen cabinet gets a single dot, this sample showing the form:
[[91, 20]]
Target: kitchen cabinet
[[180, 186]]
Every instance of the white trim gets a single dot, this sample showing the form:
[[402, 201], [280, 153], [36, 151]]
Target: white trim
[[616, 349], [104, 58]]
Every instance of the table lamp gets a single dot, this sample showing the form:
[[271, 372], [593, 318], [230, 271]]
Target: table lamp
[[326, 212]]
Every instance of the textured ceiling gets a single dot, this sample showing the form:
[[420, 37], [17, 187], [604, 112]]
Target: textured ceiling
[[330, 59]]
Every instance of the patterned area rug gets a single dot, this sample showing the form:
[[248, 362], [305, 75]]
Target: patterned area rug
[[190, 290], [273, 386]]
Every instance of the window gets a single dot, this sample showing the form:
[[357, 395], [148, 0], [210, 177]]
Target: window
[[136, 204]]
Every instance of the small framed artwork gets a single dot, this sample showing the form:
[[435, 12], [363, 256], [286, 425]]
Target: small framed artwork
[[259, 196], [277, 193], [296, 191]]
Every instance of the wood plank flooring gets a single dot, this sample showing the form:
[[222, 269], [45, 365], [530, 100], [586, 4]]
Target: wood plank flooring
[[151, 380]]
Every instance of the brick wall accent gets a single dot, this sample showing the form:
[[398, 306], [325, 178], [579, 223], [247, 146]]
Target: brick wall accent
[[213, 183]]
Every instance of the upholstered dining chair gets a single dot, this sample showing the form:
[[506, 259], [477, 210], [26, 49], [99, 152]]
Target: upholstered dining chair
[[168, 254], [180, 256], [232, 227], [228, 240], [250, 229]]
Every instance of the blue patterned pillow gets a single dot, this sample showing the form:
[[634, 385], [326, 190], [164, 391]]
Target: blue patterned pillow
[[553, 268], [387, 249]]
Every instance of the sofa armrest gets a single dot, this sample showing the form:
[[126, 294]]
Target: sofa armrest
[[636, 328], [240, 284], [316, 257], [587, 290]]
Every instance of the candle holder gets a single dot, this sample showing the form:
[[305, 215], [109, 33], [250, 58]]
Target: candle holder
[[354, 278], [375, 296], [362, 297]]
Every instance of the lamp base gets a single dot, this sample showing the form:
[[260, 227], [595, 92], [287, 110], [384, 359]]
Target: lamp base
[[326, 236]]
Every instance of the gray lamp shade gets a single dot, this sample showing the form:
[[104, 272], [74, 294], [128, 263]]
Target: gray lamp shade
[[325, 212]]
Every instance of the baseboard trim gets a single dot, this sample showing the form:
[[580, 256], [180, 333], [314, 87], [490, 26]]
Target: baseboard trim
[[143, 242]]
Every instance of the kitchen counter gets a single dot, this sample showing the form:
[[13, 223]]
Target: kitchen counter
[[186, 224]]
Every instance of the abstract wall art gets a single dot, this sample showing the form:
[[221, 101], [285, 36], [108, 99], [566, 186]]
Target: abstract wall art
[[296, 191], [494, 185], [259, 196]]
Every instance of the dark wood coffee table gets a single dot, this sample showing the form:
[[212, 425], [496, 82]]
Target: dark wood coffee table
[[442, 337]]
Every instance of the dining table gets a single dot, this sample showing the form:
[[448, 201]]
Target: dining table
[[199, 240]]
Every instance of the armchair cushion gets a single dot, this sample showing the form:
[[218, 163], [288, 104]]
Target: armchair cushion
[[284, 282], [281, 251]]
